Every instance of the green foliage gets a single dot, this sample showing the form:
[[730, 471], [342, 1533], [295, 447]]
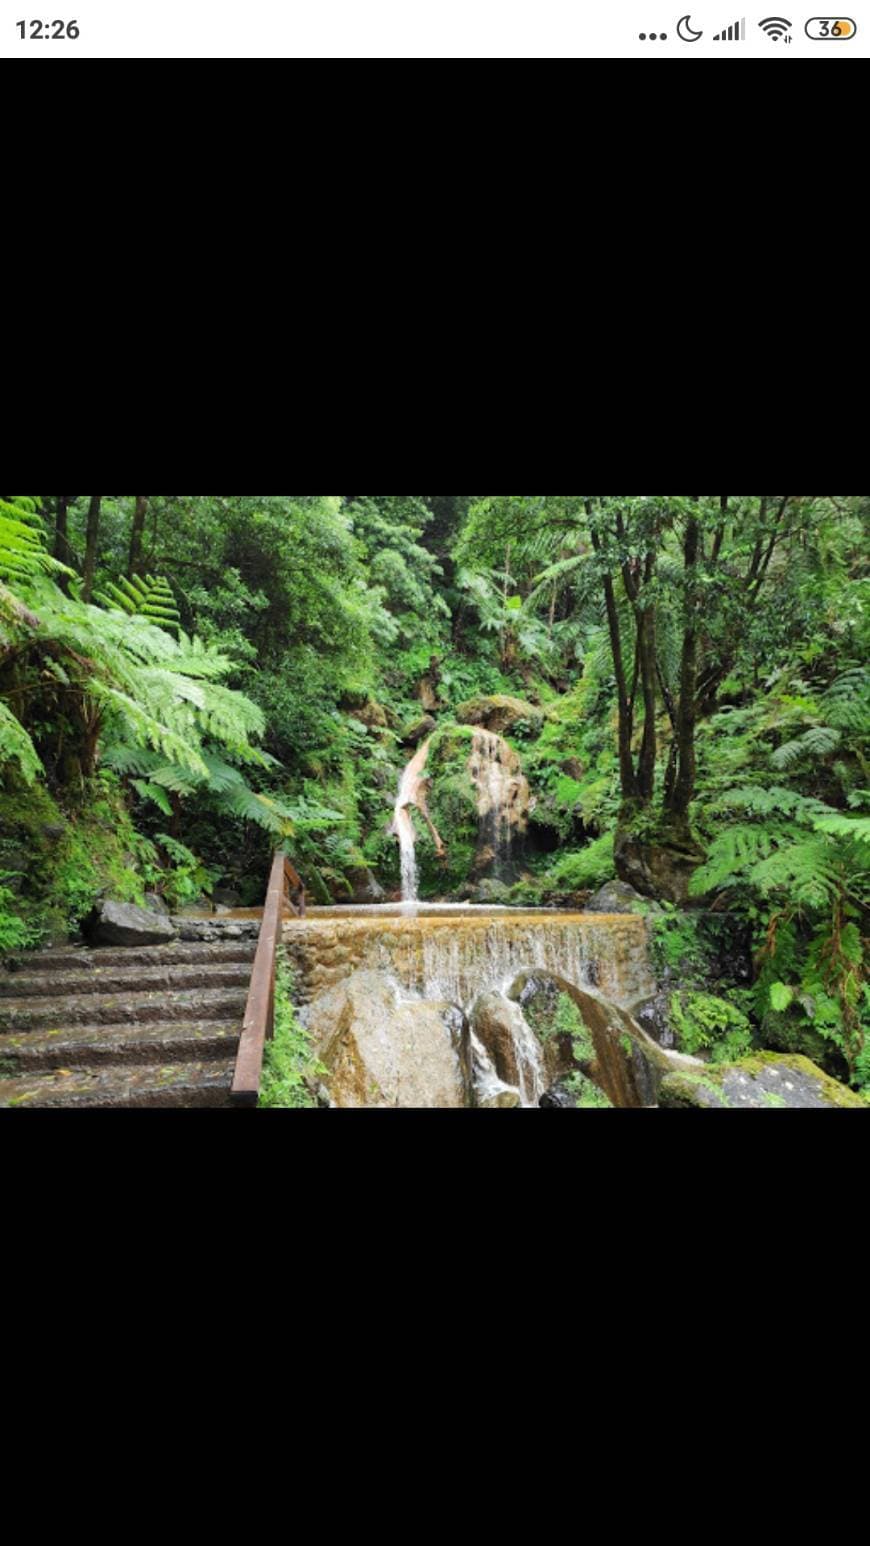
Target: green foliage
[[289, 1065], [67, 859], [678, 950], [144, 596], [15, 934], [589, 1096], [584, 870], [708, 1024]]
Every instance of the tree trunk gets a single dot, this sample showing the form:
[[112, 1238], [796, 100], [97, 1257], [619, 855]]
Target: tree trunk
[[628, 781], [92, 541], [62, 550], [684, 787], [137, 534], [61, 539], [646, 640]]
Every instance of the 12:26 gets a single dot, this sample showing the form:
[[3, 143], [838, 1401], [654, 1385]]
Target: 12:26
[[49, 29]]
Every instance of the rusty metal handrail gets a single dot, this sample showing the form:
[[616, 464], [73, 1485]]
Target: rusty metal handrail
[[286, 891]]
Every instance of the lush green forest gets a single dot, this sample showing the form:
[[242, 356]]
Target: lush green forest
[[187, 681]]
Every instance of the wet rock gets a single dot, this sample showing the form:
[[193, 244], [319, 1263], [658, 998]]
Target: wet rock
[[120, 923], [500, 714], [617, 897], [558, 1095], [383, 1050], [500, 1098], [766, 1079], [654, 1015], [226, 897], [502, 1030], [419, 731], [366, 887]]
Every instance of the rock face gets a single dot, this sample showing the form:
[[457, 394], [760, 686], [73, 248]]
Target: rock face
[[504, 801], [653, 1015], [765, 1079], [420, 731], [120, 923], [384, 1051], [617, 897], [657, 869], [500, 714], [366, 887]]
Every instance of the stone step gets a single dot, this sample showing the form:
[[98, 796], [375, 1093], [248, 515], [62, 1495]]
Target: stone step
[[81, 1046], [34, 964], [170, 1084], [126, 979], [128, 1008]]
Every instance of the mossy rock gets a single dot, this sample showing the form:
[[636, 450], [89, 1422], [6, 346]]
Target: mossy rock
[[76, 855], [502, 715], [766, 1079]]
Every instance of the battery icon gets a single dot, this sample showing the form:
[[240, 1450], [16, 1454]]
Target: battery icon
[[830, 29]]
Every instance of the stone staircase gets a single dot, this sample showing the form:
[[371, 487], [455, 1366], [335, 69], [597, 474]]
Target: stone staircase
[[155, 1026]]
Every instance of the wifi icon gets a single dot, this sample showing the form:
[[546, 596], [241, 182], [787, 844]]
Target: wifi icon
[[776, 27]]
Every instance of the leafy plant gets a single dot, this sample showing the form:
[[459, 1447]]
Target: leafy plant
[[289, 1065]]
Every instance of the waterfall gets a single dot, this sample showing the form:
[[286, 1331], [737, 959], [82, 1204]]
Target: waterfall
[[412, 792], [453, 958], [504, 797]]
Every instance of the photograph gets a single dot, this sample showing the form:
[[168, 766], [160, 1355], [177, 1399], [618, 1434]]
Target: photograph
[[434, 803]]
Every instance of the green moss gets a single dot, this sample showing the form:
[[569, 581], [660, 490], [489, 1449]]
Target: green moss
[[679, 1087], [66, 857]]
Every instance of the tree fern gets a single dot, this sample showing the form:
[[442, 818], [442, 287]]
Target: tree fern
[[818, 742], [144, 596], [806, 869], [846, 704]]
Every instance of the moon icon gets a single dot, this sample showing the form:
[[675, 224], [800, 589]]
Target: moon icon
[[684, 30]]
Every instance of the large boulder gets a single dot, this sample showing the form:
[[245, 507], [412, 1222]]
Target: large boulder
[[657, 867], [617, 897], [120, 923], [766, 1079], [381, 1049], [500, 714]]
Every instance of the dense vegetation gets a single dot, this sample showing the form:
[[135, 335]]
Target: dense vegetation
[[187, 680]]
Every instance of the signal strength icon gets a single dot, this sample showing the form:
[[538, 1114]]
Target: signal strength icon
[[776, 27], [733, 34]]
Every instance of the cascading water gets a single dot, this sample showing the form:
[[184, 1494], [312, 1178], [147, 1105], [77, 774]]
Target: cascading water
[[503, 798], [440, 964], [412, 792], [404, 825]]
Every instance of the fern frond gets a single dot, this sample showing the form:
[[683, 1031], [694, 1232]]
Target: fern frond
[[805, 869], [16, 746], [856, 828], [846, 703]]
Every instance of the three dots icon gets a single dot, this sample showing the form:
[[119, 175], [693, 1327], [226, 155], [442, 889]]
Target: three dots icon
[[660, 37]]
